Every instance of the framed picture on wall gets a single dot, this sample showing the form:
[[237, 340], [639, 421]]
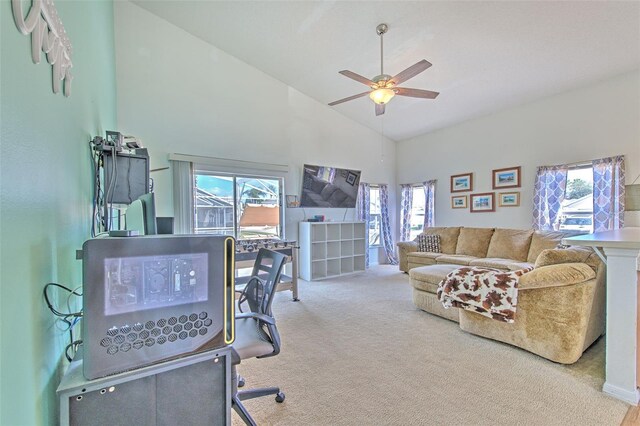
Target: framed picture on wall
[[459, 202], [293, 201], [509, 199], [484, 202], [506, 178], [351, 178], [462, 183]]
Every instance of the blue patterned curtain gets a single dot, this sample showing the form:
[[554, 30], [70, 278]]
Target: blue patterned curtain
[[362, 214], [429, 203], [549, 191], [387, 238], [406, 203], [608, 193]]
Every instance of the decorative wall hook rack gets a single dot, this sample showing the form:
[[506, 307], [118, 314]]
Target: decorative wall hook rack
[[47, 35]]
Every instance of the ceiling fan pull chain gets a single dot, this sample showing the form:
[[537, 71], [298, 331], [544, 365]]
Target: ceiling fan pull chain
[[381, 54]]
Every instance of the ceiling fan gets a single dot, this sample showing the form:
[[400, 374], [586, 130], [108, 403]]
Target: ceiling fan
[[383, 86]]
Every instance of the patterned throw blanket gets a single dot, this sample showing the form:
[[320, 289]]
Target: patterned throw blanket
[[487, 291]]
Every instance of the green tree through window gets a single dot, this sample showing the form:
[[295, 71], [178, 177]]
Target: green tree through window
[[578, 188]]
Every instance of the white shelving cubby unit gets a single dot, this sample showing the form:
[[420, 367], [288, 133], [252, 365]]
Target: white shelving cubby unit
[[331, 249]]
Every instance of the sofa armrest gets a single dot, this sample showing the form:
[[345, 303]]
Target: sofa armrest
[[404, 248], [556, 276], [570, 255], [407, 246]]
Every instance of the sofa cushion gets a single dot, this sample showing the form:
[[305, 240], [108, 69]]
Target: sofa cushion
[[510, 244], [456, 259], [337, 197], [348, 202], [417, 256], [427, 278], [317, 184], [423, 262], [327, 191], [543, 240], [474, 241], [448, 237], [429, 243], [427, 286], [498, 263]]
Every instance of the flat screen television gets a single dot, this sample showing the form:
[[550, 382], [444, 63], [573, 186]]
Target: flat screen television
[[329, 187]]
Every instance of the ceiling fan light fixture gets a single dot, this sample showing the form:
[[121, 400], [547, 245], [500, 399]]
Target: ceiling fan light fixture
[[382, 96], [384, 87]]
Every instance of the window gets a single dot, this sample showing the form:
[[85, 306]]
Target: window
[[375, 219], [245, 207], [576, 211], [417, 211]]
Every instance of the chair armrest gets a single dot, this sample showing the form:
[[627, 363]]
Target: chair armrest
[[262, 317], [556, 276]]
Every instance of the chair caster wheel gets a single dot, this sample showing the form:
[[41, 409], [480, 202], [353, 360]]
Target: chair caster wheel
[[280, 397], [240, 382]]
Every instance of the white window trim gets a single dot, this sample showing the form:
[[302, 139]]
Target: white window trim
[[242, 168], [225, 165]]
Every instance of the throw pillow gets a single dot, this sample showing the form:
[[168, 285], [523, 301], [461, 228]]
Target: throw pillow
[[430, 243]]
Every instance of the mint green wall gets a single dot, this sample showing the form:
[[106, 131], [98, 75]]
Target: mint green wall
[[45, 196]]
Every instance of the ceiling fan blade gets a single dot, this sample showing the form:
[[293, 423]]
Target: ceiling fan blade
[[357, 77], [350, 98], [410, 72], [416, 93], [379, 109]]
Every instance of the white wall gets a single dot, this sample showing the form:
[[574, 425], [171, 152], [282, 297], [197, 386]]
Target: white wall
[[597, 121], [183, 95]]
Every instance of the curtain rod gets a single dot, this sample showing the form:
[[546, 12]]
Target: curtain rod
[[417, 183], [584, 163], [228, 162]]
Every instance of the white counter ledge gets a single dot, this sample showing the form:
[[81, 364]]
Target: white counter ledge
[[621, 250]]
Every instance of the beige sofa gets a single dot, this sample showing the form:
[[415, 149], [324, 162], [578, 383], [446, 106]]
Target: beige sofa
[[561, 302]]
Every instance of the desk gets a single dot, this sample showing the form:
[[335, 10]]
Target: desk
[[621, 247], [193, 390], [247, 251]]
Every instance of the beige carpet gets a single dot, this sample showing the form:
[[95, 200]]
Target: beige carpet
[[357, 352]]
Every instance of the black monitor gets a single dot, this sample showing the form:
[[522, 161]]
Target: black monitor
[[127, 178], [141, 215], [149, 208]]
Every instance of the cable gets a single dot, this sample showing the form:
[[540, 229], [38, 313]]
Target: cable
[[111, 188], [71, 319], [93, 201], [73, 344], [128, 182], [64, 315], [74, 292]]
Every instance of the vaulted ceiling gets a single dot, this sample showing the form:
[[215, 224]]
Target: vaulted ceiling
[[486, 55]]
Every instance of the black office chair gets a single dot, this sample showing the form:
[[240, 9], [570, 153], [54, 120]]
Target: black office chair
[[256, 332]]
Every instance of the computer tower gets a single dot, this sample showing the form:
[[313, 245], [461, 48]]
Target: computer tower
[[151, 298], [194, 390]]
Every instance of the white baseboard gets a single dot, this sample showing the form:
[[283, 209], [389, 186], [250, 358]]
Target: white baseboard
[[630, 396]]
